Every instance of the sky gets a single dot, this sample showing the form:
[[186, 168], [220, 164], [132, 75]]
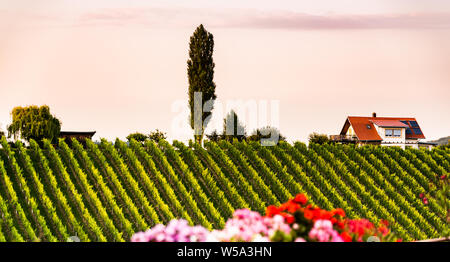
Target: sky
[[117, 67]]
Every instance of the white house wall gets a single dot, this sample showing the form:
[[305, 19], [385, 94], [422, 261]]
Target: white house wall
[[412, 143], [389, 139]]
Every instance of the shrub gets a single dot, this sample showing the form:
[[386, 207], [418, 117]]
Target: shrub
[[137, 136], [157, 135], [318, 138], [269, 134]]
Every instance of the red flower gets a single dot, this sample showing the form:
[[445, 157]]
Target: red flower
[[346, 237], [301, 199], [421, 195], [340, 224], [383, 230], [308, 214], [288, 218], [425, 201], [323, 214], [399, 240], [333, 220], [283, 207], [293, 208], [272, 211], [443, 177], [360, 231], [360, 227], [350, 230], [339, 212]]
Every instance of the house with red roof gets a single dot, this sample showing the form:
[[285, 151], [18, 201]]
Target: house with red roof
[[385, 131]]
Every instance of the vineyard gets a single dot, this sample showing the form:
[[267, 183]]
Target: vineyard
[[108, 191]]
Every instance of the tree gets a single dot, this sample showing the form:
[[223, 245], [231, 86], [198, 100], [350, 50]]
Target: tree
[[233, 128], [200, 69], [137, 136], [157, 135], [318, 138], [33, 122], [268, 135]]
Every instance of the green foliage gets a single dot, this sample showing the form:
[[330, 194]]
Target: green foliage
[[33, 122], [130, 182], [108, 191], [200, 70], [269, 135], [233, 128], [157, 135], [59, 197], [442, 196], [316, 138], [214, 136], [137, 136]]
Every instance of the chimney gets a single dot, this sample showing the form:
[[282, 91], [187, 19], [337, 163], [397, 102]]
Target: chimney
[[374, 114]]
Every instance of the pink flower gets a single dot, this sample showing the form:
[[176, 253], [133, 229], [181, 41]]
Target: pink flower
[[139, 237], [300, 239], [323, 231], [246, 225], [175, 231]]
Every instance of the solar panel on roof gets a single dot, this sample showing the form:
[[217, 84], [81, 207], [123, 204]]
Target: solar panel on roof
[[417, 131], [414, 124], [404, 122], [408, 131]]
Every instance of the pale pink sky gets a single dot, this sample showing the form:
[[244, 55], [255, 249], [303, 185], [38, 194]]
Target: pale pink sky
[[119, 66]]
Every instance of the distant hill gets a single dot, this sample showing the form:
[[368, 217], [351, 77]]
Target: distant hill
[[442, 140]]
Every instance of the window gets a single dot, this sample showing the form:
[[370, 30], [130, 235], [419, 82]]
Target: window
[[393, 132], [389, 132]]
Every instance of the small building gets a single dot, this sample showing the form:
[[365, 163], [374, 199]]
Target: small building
[[80, 136], [385, 131]]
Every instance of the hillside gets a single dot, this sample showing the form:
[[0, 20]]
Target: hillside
[[442, 140], [107, 192]]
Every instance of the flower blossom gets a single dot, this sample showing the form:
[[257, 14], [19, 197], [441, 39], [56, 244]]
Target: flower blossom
[[323, 231]]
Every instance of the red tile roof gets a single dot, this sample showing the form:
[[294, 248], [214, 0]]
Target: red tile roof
[[389, 123], [366, 131]]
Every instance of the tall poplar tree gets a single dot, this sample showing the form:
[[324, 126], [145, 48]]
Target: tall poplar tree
[[200, 69]]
